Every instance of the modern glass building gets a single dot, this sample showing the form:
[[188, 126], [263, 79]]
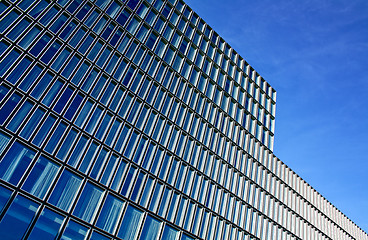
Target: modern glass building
[[135, 120]]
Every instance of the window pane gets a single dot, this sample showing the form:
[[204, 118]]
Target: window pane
[[65, 190], [130, 224], [15, 163], [88, 202], [110, 214], [16, 220], [151, 229], [47, 226], [74, 231]]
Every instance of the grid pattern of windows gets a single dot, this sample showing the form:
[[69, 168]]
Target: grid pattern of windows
[[135, 120]]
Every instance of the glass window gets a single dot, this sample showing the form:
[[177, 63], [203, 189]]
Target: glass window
[[4, 197], [54, 90], [15, 163], [47, 226], [74, 231], [65, 190], [110, 214], [130, 225], [8, 61], [17, 219], [56, 137], [151, 229], [98, 236], [88, 202], [8, 20], [41, 177], [20, 116]]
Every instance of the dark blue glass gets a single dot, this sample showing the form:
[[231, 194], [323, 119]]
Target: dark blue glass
[[56, 137], [109, 170], [86, 42], [51, 52], [100, 25], [51, 13], [88, 158], [139, 152], [83, 11], [72, 65], [20, 116], [16, 220], [116, 37], [17, 30], [62, 102], [119, 175], [113, 133], [39, 8], [151, 228], [136, 190], [73, 106], [88, 202], [30, 78], [65, 190], [44, 130], [123, 17], [98, 236], [131, 223], [128, 181], [83, 69], [94, 120], [8, 107], [110, 214], [47, 226], [61, 59], [78, 36], [41, 86], [67, 144], [103, 127], [8, 61], [54, 90], [99, 163], [42, 42], [74, 5], [74, 231], [32, 123], [41, 177], [68, 30], [77, 153], [170, 233], [8, 20], [4, 197], [3, 6]]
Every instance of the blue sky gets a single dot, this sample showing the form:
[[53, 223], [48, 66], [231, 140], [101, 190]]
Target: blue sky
[[315, 54]]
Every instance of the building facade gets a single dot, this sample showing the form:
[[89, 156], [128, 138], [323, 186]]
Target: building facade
[[133, 119]]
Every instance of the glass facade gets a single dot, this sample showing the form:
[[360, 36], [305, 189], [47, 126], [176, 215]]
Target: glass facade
[[133, 119]]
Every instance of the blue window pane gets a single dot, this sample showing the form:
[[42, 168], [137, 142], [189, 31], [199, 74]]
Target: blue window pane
[[88, 202], [110, 214], [109, 170], [77, 38], [83, 12], [80, 73], [20, 116], [15, 163], [56, 136], [39, 8], [60, 61], [4, 140], [32, 123], [77, 153], [51, 52], [88, 158], [103, 127], [119, 175], [51, 13], [8, 20], [73, 107], [8, 61], [90, 80], [68, 30], [131, 223], [98, 165], [84, 113], [186, 237], [123, 17], [47, 226], [30, 78], [63, 100], [98, 236], [54, 90], [4, 197], [16, 220], [44, 130], [129, 179], [94, 119], [66, 146], [3, 6], [42, 42], [58, 23], [151, 228], [41, 86], [17, 30], [146, 193], [136, 190], [74, 5], [74, 231], [170, 233], [41, 177], [70, 68], [65, 190]]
